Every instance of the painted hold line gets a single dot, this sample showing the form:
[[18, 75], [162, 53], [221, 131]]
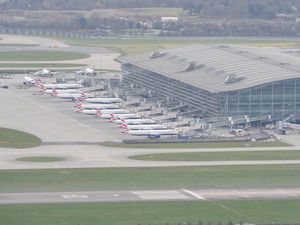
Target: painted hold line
[[194, 194]]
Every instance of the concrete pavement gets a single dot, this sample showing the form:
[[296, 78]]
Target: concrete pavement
[[148, 195], [94, 156]]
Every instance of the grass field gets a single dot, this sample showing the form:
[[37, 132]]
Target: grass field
[[221, 156], [10, 56], [198, 145], [149, 178], [17, 139], [41, 159], [133, 46], [154, 213], [38, 65]]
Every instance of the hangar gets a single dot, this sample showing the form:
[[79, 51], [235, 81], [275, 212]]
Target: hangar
[[222, 80]]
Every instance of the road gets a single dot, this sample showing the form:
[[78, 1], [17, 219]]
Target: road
[[148, 195]]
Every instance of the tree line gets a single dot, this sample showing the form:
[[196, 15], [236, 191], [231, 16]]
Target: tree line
[[266, 9]]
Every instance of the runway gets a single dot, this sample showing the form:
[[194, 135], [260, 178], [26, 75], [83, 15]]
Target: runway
[[148, 195]]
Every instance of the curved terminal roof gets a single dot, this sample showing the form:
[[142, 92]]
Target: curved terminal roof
[[220, 68]]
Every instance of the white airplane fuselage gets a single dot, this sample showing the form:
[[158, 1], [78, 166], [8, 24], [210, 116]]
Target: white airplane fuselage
[[73, 96], [127, 116], [98, 106], [152, 132], [61, 86], [109, 115], [88, 111], [62, 91], [113, 111], [146, 127], [104, 100], [138, 121]]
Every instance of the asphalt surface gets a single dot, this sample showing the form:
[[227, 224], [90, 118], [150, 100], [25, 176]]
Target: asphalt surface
[[148, 195]]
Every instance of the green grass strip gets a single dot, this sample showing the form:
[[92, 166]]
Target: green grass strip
[[149, 178], [41, 159], [221, 156], [17, 139], [38, 65], [10, 56], [155, 213]]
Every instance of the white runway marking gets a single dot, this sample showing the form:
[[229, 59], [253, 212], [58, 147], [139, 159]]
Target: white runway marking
[[194, 194], [75, 196], [159, 195]]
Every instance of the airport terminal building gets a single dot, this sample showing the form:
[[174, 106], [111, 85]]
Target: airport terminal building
[[222, 80]]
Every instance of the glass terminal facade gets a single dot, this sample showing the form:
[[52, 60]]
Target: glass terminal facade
[[278, 99]]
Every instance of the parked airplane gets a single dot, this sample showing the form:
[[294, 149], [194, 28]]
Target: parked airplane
[[152, 133], [104, 100], [73, 96], [96, 106], [108, 115], [87, 72], [44, 73], [61, 91], [121, 117], [59, 86], [31, 81], [136, 122], [88, 111], [145, 127], [104, 116], [113, 111], [97, 112]]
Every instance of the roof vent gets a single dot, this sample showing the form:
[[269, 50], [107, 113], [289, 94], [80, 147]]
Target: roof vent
[[283, 64], [223, 46], [191, 66], [155, 54], [262, 58], [230, 78]]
